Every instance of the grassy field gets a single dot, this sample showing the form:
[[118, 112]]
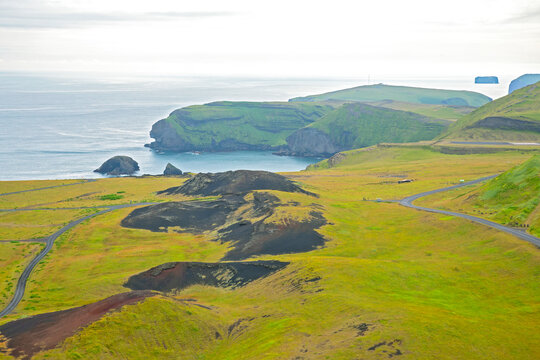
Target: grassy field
[[21, 225], [381, 92], [14, 256], [11, 186], [390, 280], [512, 198], [521, 105], [444, 112], [91, 194]]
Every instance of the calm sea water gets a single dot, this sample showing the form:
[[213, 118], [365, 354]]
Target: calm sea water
[[53, 128]]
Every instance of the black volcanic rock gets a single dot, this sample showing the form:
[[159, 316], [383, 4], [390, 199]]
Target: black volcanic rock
[[170, 169], [234, 182], [180, 275], [118, 165]]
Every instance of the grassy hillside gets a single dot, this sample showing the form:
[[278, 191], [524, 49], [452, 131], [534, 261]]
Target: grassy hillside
[[358, 125], [380, 92], [512, 198], [515, 117], [444, 112], [234, 125], [389, 280]]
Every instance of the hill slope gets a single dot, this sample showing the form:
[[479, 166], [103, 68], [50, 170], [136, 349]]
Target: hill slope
[[225, 126], [443, 112], [515, 117], [515, 195], [356, 125], [370, 93]]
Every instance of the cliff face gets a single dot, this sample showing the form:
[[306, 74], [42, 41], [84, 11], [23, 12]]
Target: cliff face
[[167, 139], [310, 142], [229, 126]]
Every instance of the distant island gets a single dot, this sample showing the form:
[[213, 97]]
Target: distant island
[[522, 81], [316, 125], [486, 80]]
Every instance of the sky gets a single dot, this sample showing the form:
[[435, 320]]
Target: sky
[[293, 38]]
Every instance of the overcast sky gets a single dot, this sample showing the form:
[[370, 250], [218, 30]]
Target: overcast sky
[[271, 38]]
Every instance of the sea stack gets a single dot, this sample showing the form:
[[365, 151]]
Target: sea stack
[[118, 165], [170, 169]]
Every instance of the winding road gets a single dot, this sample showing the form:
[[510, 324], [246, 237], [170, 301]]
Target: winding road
[[49, 242], [408, 202]]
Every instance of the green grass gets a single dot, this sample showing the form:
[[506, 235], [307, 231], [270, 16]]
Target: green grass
[[22, 225], [358, 125], [14, 256], [93, 260], [522, 104], [261, 124], [380, 92], [512, 198], [445, 112], [111, 197], [443, 288]]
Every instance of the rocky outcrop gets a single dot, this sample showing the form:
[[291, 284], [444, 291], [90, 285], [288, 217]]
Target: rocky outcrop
[[180, 275], [167, 139], [506, 123], [309, 142], [118, 165], [486, 80], [170, 169], [234, 182], [522, 81], [243, 221]]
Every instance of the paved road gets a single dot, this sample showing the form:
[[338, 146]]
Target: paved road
[[494, 143], [520, 234], [21, 283], [48, 187]]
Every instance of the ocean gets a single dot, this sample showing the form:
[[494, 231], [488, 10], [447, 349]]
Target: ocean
[[64, 127]]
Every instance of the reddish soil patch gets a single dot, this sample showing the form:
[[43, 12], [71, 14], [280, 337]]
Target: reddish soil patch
[[28, 336]]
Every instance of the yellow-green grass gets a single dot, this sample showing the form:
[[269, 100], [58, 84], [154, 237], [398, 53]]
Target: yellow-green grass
[[14, 256], [457, 297], [460, 200], [93, 260], [185, 331], [446, 112], [374, 172], [21, 225], [444, 287], [134, 189], [21, 185]]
